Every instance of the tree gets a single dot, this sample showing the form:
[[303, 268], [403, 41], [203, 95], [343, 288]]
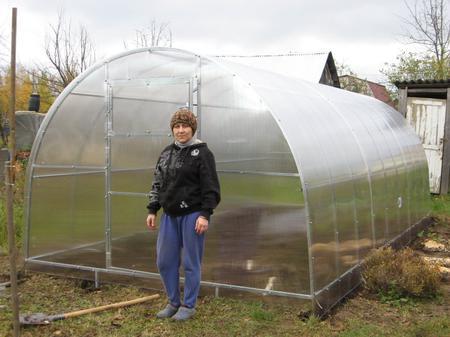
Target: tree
[[413, 66], [24, 88], [69, 52], [428, 26], [154, 35]]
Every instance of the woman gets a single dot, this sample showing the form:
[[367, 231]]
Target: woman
[[186, 186]]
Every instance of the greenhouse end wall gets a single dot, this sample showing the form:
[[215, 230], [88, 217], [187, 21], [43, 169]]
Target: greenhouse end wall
[[312, 177]]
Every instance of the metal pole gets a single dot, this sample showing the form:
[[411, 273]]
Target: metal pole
[[9, 182], [12, 97]]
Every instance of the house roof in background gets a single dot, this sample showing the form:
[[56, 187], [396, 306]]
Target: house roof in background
[[307, 67], [380, 92], [377, 90]]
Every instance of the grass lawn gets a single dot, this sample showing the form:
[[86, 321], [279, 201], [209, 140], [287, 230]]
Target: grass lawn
[[362, 315]]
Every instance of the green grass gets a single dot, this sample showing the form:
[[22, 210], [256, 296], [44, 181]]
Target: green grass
[[18, 210], [357, 328], [18, 222], [438, 326], [440, 205], [219, 317]]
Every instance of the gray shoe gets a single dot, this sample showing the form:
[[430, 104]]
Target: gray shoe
[[183, 313], [167, 312]]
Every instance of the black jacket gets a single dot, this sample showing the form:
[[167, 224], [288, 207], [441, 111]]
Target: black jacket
[[185, 181]]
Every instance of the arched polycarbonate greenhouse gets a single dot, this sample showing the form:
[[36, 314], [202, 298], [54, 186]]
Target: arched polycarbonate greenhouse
[[312, 177]]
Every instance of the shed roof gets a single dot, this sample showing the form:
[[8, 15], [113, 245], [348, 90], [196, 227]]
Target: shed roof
[[423, 83]]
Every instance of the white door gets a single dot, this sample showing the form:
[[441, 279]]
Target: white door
[[427, 117]]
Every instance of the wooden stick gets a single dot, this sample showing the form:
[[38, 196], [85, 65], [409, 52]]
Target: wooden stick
[[110, 306], [9, 182]]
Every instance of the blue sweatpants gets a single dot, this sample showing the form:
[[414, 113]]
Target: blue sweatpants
[[178, 241]]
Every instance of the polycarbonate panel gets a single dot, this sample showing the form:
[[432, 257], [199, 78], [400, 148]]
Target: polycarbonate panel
[[145, 64], [75, 134], [93, 83], [133, 160], [382, 154], [135, 181], [353, 154], [257, 236], [67, 217], [151, 118], [396, 181], [239, 127], [328, 193], [137, 142], [133, 245], [137, 152]]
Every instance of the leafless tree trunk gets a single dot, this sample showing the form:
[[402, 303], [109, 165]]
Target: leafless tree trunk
[[429, 26], [153, 35], [69, 52]]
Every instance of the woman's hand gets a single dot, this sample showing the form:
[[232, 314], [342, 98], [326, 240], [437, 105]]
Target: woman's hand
[[151, 221], [201, 225]]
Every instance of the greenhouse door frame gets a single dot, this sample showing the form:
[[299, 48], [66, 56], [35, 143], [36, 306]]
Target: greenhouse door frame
[[192, 87]]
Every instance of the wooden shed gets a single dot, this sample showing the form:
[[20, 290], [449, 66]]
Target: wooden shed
[[426, 106]]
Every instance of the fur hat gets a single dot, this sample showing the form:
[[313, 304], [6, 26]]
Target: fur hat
[[183, 115]]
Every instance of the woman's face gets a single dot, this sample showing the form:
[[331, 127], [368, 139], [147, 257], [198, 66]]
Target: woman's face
[[182, 132]]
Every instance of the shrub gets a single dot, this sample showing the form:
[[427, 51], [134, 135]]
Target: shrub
[[400, 274]]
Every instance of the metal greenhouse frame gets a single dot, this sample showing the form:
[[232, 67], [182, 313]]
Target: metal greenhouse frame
[[312, 177]]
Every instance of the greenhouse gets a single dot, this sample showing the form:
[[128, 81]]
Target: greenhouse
[[312, 177]]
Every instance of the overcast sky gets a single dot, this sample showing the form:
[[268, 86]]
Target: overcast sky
[[363, 34]]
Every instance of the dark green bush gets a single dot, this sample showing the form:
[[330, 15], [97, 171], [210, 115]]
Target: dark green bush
[[400, 274]]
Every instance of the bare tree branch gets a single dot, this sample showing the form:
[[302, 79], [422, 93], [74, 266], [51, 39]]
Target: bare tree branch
[[429, 26], [69, 53], [153, 35]]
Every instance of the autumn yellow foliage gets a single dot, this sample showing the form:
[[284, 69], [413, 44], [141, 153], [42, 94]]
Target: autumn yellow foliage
[[24, 88]]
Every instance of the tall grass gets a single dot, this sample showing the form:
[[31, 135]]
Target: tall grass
[[18, 222], [18, 207]]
